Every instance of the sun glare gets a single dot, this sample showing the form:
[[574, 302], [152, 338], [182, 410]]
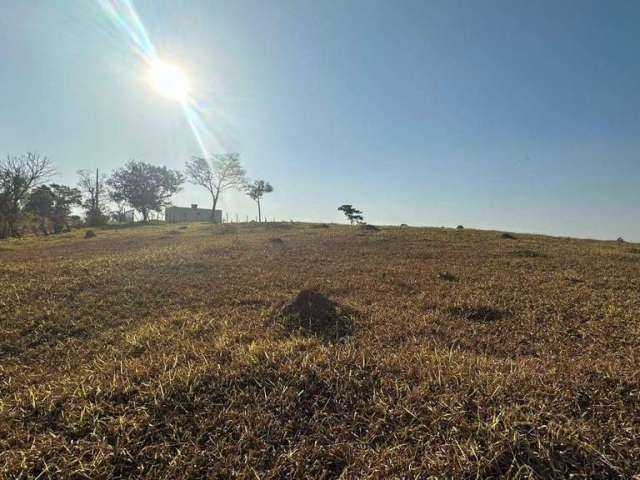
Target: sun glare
[[169, 80]]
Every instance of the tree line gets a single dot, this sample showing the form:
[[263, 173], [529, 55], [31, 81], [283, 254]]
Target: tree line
[[26, 197]]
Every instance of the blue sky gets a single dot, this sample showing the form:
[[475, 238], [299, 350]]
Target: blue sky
[[512, 115]]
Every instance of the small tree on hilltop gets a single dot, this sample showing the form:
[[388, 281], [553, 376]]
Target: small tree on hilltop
[[144, 187], [256, 191], [354, 215], [221, 172]]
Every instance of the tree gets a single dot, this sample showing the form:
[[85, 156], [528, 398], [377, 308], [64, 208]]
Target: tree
[[256, 191], [120, 214], [144, 187], [53, 203], [95, 197], [351, 213], [221, 172], [18, 176], [40, 205], [64, 198]]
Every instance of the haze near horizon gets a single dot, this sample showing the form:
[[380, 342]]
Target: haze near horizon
[[514, 116]]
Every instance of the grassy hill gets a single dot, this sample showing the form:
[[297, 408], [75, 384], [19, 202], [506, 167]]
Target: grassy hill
[[185, 352]]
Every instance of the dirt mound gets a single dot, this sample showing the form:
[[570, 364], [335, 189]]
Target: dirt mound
[[477, 314], [312, 313], [449, 277], [524, 253]]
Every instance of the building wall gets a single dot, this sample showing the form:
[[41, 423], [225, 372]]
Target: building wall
[[185, 214]]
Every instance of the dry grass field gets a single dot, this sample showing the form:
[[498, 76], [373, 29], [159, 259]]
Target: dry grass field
[[190, 352]]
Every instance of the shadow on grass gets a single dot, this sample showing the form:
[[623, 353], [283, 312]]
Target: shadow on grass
[[477, 314]]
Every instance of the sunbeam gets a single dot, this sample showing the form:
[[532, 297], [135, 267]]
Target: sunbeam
[[166, 78]]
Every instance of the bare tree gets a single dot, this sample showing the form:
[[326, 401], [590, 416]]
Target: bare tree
[[18, 176], [256, 191], [95, 197], [221, 172]]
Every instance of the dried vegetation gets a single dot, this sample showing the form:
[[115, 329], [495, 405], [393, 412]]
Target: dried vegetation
[[147, 354]]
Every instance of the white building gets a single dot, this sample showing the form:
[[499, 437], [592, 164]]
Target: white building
[[193, 214]]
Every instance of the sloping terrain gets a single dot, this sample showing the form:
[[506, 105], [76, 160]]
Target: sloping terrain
[[273, 351]]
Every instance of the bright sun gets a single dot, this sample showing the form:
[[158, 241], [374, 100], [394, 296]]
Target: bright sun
[[169, 80]]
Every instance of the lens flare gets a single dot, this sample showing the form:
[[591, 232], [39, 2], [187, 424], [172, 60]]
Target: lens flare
[[166, 78], [169, 80]]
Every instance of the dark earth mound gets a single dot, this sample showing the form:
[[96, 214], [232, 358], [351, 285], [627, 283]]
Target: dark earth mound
[[524, 253], [368, 228], [449, 277], [312, 313]]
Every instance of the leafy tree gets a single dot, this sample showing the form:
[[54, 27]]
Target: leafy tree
[[18, 176], [144, 187], [64, 198], [256, 191], [95, 197], [53, 203], [40, 205], [221, 172], [351, 213]]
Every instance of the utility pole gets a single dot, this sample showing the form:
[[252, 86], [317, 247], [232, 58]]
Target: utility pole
[[97, 199]]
